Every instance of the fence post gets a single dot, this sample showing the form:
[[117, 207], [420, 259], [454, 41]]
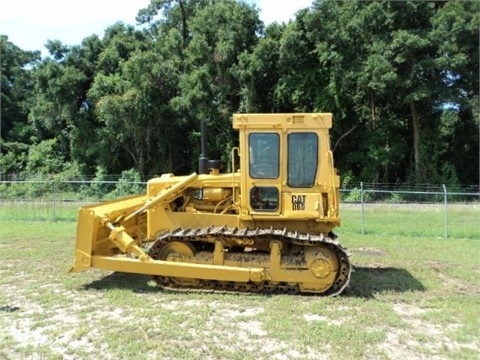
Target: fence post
[[363, 208], [445, 203], [54, 200]]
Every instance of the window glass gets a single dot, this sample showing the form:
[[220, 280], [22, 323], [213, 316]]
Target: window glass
[[264, 198], [302, 159], [264, 155]]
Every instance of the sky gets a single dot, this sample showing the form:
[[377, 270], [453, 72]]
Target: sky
[[30, 23]]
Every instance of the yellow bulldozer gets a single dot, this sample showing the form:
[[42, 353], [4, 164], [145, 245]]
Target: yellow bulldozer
[[264, 227]]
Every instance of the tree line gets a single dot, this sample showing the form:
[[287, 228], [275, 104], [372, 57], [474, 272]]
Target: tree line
[[400, 77]]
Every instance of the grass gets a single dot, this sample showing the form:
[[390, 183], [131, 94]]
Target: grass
[[413, 297], [417, 220], [413, 220]]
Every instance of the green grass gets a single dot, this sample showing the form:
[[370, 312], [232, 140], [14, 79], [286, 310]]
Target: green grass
[[39, 210], [413, 220], [409, 297]]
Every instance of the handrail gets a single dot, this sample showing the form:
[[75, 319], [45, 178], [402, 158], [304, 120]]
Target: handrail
[[234, 200], [332, 177]]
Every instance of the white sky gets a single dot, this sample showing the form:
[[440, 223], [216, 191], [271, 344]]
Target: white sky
[[30, 23]]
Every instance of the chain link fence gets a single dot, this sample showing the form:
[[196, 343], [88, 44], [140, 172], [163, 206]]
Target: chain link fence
[[432, 210], [435, 210], [40, 200]]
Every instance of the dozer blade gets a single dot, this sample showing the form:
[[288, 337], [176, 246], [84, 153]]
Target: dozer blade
[[93, 231], [118, 226]]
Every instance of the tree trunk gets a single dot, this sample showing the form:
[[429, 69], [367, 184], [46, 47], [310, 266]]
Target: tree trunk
[[416, 140], [374, 115], [184, 24]]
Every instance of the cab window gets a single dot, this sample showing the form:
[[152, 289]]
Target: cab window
[[302, 159], [264, 198], [264, 154]]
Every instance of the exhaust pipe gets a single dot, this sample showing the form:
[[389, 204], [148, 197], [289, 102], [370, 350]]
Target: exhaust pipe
[[203, 159]]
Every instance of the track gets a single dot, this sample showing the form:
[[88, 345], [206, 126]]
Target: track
[[189, 242]]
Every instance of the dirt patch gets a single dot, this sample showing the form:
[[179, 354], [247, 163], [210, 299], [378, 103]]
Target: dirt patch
[[455, 285], [322, 318], [368, 251], [401, 343]]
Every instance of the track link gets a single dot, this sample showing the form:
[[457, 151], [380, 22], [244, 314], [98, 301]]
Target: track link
[[206, 234]]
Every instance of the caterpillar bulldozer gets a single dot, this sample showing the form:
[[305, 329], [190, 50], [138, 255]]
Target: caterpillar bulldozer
[[264, 227]]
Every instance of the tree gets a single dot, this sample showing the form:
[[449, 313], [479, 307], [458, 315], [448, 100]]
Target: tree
[[400, 77], [384, 80], [455, 28], [60, 109], [209, 84], [136, 122], [127, 96], [259, 71], [16, 88]]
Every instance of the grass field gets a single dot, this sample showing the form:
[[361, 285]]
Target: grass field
[[413, 295]]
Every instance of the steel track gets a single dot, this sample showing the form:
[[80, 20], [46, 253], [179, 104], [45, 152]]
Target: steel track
[[205, 234]]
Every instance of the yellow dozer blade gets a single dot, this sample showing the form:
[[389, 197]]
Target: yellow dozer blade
[[95, 227], [117, 227]]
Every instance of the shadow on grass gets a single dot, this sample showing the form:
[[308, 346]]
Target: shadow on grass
[[118, 280], [365, 282]]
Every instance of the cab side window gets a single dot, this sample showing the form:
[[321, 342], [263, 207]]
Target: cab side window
[[264, 155], [302, 159], [264, 198]]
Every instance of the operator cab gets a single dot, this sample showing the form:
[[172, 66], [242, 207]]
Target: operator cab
[[288, 162]]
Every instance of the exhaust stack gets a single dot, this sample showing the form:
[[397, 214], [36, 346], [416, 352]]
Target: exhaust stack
[[203, 159]]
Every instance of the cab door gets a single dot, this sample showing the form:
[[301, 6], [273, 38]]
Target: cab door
[[301, 194], [264, 172]]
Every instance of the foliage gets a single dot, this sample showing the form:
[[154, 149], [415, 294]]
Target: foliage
[[401, 79], [100, 185], [16, 85], [129, 183], [396, 198], [357, 195]]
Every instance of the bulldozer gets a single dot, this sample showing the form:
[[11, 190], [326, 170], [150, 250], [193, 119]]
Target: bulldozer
[[264, 227]]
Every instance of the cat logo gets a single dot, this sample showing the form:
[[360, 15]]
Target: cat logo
[[298, 202]]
